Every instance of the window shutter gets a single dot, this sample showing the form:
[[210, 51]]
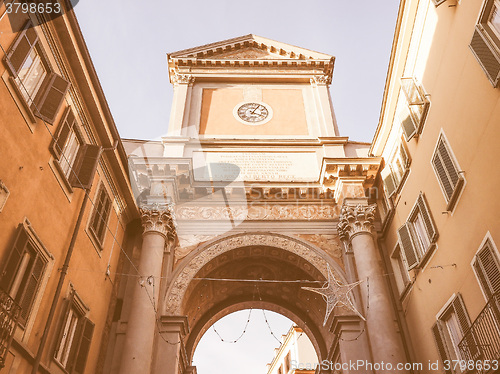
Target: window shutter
[[488, 270], [409, 128], [83, 346], [67, 123], [21, 49], [440, 343], [486, 54], [464, 321], [408, 246], [389, 182], [441, 173], [404, 156], [12, 264], [438, 2], [64, 314], [426, 215], [49, 99], [85, 166], [29, 292]]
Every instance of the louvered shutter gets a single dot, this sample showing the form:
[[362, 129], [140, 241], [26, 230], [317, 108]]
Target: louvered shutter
[[83, 346], [409, 128], [31, 286], [85, 166], [440, 343], [67, 123], [388, 180], [438, 2], [470, 351], [408, 246], [21, 49], [440, 169], [64, 314], [49, 99], [426, 215], [12, 264], [404, 156], [488, 270], [486, 53]]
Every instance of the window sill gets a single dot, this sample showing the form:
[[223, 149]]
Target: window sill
[[425, 258], [406, 290]]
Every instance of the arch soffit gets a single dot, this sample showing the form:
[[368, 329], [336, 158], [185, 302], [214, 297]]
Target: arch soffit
[[192, 263]]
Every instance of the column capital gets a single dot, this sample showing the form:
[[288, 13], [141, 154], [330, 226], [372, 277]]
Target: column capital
[[158, 219], [355, 219]]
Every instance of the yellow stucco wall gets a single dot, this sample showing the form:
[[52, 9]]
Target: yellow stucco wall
[[287, 105]]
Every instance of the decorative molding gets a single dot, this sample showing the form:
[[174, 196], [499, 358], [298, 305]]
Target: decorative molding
[[181, 78], [158, 219], [258, 212], [355, 219], [329, 243], [179, 285], [320, 79]]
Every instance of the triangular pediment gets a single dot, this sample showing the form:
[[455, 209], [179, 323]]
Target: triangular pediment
[[251, 47]]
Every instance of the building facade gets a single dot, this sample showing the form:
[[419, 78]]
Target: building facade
[[295, 354], [117, 255], [438, 135], [65, 199]]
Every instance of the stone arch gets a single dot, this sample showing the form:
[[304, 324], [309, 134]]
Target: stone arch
[[191, 264]]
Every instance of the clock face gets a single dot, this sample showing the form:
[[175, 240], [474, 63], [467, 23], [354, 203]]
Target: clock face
[[253, 112]]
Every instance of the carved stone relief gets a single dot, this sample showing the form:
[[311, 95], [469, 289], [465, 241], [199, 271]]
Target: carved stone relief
[[329, 243], [180, 283]]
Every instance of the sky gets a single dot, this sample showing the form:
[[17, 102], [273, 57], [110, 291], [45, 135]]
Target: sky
[[128, 41]]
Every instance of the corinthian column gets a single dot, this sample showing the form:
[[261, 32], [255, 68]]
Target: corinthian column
[[137, 351], [355, 229]]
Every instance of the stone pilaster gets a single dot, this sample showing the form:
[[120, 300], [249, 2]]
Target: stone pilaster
[[355, 228], [170, 354], [158, 226]]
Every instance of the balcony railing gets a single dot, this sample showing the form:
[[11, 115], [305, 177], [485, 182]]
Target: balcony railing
[[9, 314], [482, 341]]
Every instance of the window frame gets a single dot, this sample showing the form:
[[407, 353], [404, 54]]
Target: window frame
[[487, 243], [441, 330], [101, 191], [31, 239], [70, 353], [415, 97], [67, 125], [458, 188], [485, 44], [46, 99], [408, 238], [400, 267], [389, 174]]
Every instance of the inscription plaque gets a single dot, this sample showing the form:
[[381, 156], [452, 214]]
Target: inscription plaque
[[256, 166]]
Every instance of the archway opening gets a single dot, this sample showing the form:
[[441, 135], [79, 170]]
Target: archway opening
[[253, 341]]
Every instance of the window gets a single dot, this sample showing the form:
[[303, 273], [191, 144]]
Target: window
[[67, 142], [438, 2], [447, 172], [23, 270], [75, 336], [396, 169], [413, 116], [102, 208], [485, 41], [41, 89], [418, 235], [449, 329], [400, 270], [486, 265]]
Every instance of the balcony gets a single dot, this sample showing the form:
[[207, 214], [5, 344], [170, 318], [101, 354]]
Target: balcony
[[481, 343], [9, 314]]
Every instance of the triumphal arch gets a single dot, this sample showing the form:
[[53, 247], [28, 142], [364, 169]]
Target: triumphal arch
[[251, 196]]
